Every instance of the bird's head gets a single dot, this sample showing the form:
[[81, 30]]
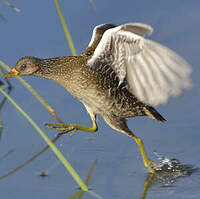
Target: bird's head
[[25, 66]]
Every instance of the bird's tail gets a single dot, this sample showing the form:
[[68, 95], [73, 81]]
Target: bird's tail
[[151, 112]]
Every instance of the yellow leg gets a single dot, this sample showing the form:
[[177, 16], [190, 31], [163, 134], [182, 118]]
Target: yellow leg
[[65, 128], [147, 163], [120, 125], [70, 127]]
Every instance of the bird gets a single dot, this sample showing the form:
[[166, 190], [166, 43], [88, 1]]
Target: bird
[[120, 75]]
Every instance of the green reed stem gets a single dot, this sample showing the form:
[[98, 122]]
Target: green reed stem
[[79, 194], [51, 145], [65, 28]]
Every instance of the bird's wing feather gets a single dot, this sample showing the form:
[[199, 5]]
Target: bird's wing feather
[[153, 72], [98, 33]]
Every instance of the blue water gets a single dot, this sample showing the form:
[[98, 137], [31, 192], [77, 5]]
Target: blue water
[[119, 172]]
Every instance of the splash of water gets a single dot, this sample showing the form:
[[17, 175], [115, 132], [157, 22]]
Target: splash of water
[[168, 170]]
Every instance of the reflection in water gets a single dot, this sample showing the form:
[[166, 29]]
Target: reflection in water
[[80, 193], [43, 174], [49, 170], [9, 89], [31, 159], [7, 154], [167, 172], [2, 103]]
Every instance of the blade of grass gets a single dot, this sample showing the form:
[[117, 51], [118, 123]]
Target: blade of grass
[[11, 6], [94, 194], [79, 194], [35, 93], [65, 28], [7, 154], [51, 145], [90, 172]]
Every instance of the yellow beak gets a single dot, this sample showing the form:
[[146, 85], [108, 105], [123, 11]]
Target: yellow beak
[[12, 73]]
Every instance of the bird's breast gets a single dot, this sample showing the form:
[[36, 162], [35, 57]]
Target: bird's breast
[[97, 92]]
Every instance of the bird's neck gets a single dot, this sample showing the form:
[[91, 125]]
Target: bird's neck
[[54, 68]]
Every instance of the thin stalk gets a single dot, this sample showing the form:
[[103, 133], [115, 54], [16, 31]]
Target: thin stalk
[[79, 194], [7, 154], [65, 28], [11, 6], [51, 145]]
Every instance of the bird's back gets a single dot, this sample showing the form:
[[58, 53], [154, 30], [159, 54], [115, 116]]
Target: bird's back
[[103, 93]]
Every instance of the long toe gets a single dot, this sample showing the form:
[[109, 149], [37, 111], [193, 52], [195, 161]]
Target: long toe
[[54, 126], [62, 127]]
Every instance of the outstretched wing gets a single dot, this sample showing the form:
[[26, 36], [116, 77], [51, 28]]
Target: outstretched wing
[[98, 33], [153, 72]]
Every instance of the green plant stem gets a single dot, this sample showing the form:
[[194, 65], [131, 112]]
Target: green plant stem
[[79, 194], [51, 145], [65, 28]]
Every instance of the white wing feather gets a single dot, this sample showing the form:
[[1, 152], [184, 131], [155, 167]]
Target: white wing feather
[[153, 72]]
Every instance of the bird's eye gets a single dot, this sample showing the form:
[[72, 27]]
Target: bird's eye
[[22, 67]]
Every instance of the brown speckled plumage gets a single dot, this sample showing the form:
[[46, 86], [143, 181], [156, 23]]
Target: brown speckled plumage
[[95, 89], [119, 75]]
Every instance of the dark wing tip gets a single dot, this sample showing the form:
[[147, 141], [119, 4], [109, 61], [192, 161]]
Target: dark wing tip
[[98, 34], [104, 27], [151, 112]]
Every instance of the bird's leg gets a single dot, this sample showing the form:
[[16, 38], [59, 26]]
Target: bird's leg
[[147, 163], [65, 128], [120, 125]]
